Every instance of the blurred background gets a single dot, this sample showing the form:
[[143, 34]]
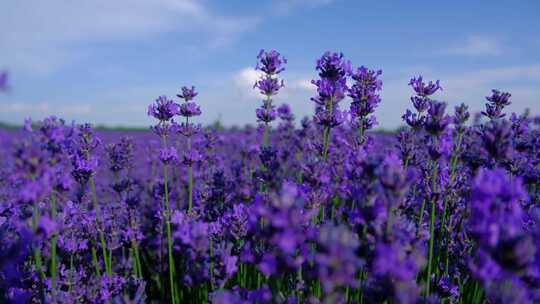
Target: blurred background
[[104, 61]]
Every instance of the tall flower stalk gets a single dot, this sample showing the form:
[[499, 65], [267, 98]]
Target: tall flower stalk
[[53, 137], [189, 109], [164, 110], [364, 93], [120, 159], [331, 88], [84, 169], [270, 63], [35, 176], [435, 125], [461, 115]]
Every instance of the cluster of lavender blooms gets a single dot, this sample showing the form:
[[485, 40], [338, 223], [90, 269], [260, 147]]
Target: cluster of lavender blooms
[[446, 210]]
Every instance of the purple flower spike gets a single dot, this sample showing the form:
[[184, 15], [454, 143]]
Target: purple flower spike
[[333, 66], [436, 120], [269, 86], [164, 109], [188, 93], [337, 262], [271, 62], [266, 114], [499, 98], [189, 109], [364, 93], [331, 88], [505, 251], [497, 102], [285, 113], [423, 89], [83, 168], [168, 155], [421, 104]]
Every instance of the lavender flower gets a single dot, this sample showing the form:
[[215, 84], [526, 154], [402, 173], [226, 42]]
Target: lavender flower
[[331, 88], [336, 261], [164, 109], [188, 93], [497, 102], [422, 89], [214, 216], [505, 253], [365, 98], [437, 120], [271, 64]]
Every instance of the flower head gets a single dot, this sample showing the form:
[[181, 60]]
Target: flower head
[[364, 93], [437, 120], [337, 262], [189, 109], [423, 89], [497, 102], [267, 112], [333, 66], [188, 93], [461, 115], [329, 91], [271, 62], [285, 113], [164, 109], [269, 86]]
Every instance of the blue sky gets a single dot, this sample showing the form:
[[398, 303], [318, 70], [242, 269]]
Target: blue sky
[[104, 61]]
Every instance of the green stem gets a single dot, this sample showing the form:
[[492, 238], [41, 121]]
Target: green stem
[[72, 269], [211, 263], [326, 139], [326, 134], [168, 226], [453, 166], [389, 222], [54, 269], [266, 135], [95, 262], [100, 229], [361, 130], [421, 214], [169, 239], [37, 250], [190, 188], [190, 180], [431, 228]]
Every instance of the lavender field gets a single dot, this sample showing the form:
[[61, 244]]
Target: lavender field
[[321, 209]]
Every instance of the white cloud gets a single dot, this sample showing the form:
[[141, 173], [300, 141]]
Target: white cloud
[[295, 85], [304, 84], [42, 35], [477, 45], [244, 80]]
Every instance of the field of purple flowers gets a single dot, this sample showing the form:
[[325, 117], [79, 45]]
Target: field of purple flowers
[[446, 210]]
